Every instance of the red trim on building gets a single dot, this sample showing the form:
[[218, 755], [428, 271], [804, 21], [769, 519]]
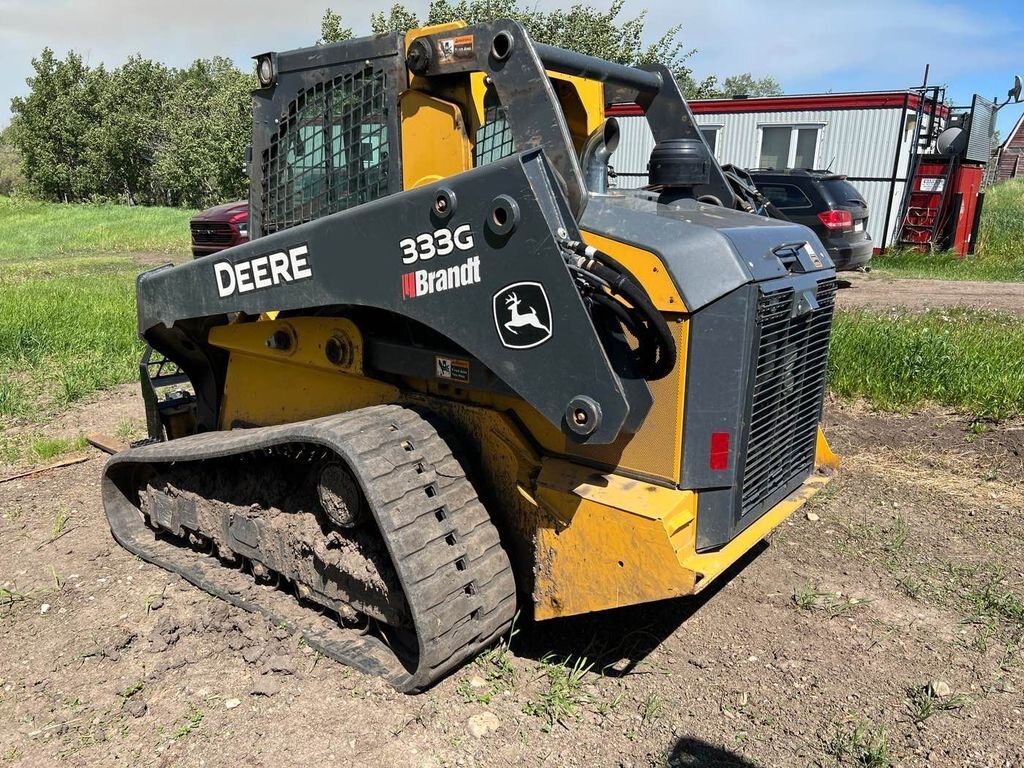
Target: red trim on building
[[878, 100]]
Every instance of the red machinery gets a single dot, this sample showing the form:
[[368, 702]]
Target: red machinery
[[943, 208]]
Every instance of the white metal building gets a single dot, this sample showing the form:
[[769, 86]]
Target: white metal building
[[868, 137]]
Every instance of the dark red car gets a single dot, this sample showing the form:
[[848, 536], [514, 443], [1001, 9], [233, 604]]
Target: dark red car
[[220, 227]]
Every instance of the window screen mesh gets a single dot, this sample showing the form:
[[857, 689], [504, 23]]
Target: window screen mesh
[[330, 152], [493, 139]]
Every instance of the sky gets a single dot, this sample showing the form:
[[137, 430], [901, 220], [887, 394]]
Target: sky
[[809, 47]]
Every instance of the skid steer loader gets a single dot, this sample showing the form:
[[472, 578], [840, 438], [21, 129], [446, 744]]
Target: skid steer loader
[[454, 374]]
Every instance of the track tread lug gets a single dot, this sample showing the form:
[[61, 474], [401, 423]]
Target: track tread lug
[[397, 454]]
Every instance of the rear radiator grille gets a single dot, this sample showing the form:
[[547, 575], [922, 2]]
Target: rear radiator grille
[[789, 383]]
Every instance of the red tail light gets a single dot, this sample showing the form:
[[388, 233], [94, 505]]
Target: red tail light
[[836, 219], [719, 456]]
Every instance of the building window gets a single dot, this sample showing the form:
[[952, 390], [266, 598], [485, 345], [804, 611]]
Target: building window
[[710, 134], [789, 146]]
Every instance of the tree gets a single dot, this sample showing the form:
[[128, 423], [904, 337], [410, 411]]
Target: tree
[[331, 30], [11, 177], [581, 28], [398, 19], [205, 131], [132, 110], [747, 85], [52, 128]]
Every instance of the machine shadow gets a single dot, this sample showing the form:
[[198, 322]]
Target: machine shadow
[[693, 753], [600, 637]]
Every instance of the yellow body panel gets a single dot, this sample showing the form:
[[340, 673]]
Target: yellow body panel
[[823, 456], [711, 564], [588, 560], [432, 148], [267, 386], [435, 144], [646, 267], [654, 452]]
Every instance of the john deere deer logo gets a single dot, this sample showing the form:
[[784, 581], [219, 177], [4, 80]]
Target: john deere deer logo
[[522, 315]]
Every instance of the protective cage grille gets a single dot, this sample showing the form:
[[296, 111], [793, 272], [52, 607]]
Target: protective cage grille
[[493, 140], [788, 388], [330, 151]]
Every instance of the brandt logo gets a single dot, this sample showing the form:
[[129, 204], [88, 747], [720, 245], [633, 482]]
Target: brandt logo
[[522, 315]]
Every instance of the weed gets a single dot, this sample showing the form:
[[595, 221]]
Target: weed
[[192, 721], [8, 597], [495, 667], [605, 708], [563, 695], [994, 601], [1011, 654], [651, 709], [45, 448], [923, 703], [834, 604], [12, 754], [862, 745], [808, 597], [127, 429], [998, 256], [67, 319], [472, 694], [31, 229], [12, 514], [53, 361], [72, 703], [896, 536], [130, 691], [37, 448], [913, 587], [60, 524]]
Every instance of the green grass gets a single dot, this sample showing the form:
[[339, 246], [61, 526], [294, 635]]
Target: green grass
[[968, 360], [31, 229], [563, 694], [861, 744], [67, 281], [1000, 251], [63, 337]]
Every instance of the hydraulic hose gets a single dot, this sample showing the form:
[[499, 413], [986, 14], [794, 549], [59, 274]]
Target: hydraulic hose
[[657, 351]]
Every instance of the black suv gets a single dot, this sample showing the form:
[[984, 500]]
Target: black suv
[[825, 202]]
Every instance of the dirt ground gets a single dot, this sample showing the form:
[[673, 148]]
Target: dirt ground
[[876, 292], [817, 650]]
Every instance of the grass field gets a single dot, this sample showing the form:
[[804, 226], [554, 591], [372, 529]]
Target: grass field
[[67, 297], [31, 229], [1000, 254], [971, 361]]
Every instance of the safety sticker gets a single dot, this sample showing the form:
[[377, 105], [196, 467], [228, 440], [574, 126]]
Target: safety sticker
[[452, 49], [451, 368]]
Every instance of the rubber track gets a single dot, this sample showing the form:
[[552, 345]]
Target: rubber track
[[456, 576]]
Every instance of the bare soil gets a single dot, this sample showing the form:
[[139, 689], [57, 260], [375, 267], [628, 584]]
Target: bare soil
[[876, 292], [815, 650]]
